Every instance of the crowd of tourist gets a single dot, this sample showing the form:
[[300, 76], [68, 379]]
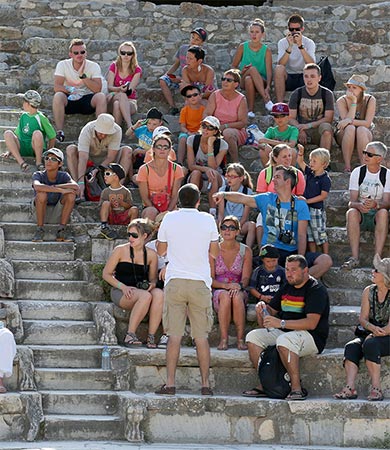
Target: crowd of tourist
[[202, 250]]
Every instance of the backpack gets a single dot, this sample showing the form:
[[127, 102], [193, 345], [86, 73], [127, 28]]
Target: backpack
[[94, 185], [217, 145], [382, 175], [327, 77], [299, 98], [272, 374]]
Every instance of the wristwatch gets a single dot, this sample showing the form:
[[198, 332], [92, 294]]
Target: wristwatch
[[84, 75], [301, 47], [282, 324]]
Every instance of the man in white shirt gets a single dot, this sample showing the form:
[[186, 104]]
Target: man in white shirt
[[77, 87], [294, 52], [188, 237], [369, 191]]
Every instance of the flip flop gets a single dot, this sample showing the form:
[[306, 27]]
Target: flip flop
[[3, 390], [254, 392]]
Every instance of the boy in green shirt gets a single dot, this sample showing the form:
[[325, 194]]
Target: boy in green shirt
[[33, 134]]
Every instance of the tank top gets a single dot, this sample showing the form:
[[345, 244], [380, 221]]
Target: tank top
[[379, 312], [256, 58], [227, 110]]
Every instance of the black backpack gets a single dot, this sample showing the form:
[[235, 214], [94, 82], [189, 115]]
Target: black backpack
[[217, 145], [327, 77], [273, 376], [382, 174]]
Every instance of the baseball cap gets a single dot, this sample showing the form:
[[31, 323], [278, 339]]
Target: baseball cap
[[154, 113], [213, 121], [56, 152], [105, 124], [187, 88], [269, 251], [31, 97], [161, 130], [201, 32], [118, 170], [280, 109]]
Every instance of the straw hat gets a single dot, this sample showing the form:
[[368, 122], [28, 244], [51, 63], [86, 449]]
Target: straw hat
[[357, 80]]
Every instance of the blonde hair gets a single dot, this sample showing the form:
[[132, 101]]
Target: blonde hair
[[143, 226], [133, 61], [75, 42], [322, 154], [241, 172], [257, 23]]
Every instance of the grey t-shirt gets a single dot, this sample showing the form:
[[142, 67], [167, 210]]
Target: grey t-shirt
[[311, 108]]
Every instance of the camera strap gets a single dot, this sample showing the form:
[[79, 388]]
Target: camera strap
[[292, 208], [145, 264]]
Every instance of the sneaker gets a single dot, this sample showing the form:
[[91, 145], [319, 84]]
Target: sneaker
[[173, 111], [60, 136], [63, 236], [268, 106], [163, 342], [108, 233], [251, 115], [38, 236]]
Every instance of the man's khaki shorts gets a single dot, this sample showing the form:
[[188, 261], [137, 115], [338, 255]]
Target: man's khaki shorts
[[315, 134], [299, 342], [187, 297]]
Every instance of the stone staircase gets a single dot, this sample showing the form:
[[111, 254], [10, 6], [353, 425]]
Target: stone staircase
[[58, 390]]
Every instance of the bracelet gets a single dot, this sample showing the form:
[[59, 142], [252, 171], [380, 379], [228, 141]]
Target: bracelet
[[288, 51], [210, 154], [353, 104], [226, 125], [80, 182], [366, 325], [119, 285], [310, 125]]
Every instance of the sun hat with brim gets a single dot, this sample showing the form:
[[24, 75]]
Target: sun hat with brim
[[383, 266], [31, 97], [213, 121], [105, 124], [357, 80], [269, 251], [56, 152]]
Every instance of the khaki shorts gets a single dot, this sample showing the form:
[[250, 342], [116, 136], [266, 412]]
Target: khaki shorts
[[299, 342], [315, 134], [187, 297]]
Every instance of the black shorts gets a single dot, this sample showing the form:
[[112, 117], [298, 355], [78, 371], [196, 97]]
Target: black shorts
[[81, 106], [294, 81]]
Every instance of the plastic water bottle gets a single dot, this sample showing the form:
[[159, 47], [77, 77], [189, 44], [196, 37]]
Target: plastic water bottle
[[1, 324], [265, 313], [106, 362], [73, 93]]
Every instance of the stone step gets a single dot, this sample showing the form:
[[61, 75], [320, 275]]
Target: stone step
[[51, 270], [24, 231], [354, 279], [83, 402], [56, 290], [71, 379], [345, 297], [59, 332], [68, 356], [48, 310], [40, 251], [93, 427], [15, 181], [23, 195]]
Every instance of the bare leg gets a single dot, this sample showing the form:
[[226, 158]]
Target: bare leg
[[224, 318], [67, 201], [99, 102], [156, 309], [239, 316], [326, 140], [351, 371], [375, 373], [347, 144], [230, 136], [290, 361], [320, 266], [126, 160], [173, 352], [249, 229], [381, 229], [72, 159], [105, 211], [167, 93], [150, 212], [259, 235], [258, 83], [203, 354], [13, 145], [280, 82], [353, 231], [181, 150], [60, 100], [40, 207], [37, 144], [254, 353], [250, 92], [363, 137]]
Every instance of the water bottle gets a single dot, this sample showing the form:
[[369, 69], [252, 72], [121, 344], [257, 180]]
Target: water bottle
[[73, 93], [265, 313], [1, 324], [106, 362]]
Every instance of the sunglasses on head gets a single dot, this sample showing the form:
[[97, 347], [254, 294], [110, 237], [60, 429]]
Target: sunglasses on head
[[195, 94], [369, 154], [108, 174], [133, 235], [52, 158], [205, 126], [228, 227], [123, 53], [162, 147], [229, 80], [81, 52], [294, 29]]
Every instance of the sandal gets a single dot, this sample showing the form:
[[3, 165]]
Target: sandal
[[223, 345], [3, 390], [241, 345], [25, 167], [205, 390], [376, 395], [254, 392], [150, 341], [40, 167], [131, 340], [350, 263], [347, 393], [297, 395], [166, 390]]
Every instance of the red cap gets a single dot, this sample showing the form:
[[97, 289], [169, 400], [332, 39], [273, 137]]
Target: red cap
[[280, 109]]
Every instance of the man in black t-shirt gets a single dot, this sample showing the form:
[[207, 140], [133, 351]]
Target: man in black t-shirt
[[297, 324]]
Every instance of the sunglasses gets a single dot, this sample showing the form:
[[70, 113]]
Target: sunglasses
[[279, 116], [108, 174], [192, 95], [51, 158], [133, 235], [162, 147], [228, 227], [294, 29], [126, 53], [370, 155], [81, 52], [229, 80], [208, 127]]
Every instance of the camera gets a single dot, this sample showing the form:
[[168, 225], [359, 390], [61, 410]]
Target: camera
[[285, 236], [144, 285]]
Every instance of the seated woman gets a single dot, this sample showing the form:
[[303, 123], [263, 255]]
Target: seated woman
[[159, 180], [206, 153], [197, 73], [357, 112], [123, 77], [231, 272], [238, 180], [254, 59], [372, 337], [131, 270], [7, 351]]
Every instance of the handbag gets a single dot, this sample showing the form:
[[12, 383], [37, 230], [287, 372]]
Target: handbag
[[160, 200], [327, 77]]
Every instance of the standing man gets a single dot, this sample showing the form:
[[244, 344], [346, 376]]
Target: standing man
[[77, 87], [286, 217], [312, 109], [294, 52], [298, 324], [369, 201], [100, 140], [55, 188], [188, 237]]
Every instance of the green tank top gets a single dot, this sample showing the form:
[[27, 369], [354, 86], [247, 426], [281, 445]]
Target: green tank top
[[257, 59]]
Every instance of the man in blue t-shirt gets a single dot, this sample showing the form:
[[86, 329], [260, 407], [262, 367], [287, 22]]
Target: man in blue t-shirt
[[53, 187]]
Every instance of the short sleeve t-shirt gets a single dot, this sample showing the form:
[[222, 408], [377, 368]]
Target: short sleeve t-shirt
[[315, 185], [371, 185], [294, 304], [72, 77], [311, 107], [28, 123], [296, 63], [267, 283], [144, 136], [114, 196], [62, 178], [291, 134], [156, 183], [277, 219], [118, 81], [89, 142], [191, 118]]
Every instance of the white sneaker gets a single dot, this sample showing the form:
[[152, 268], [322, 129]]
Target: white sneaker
[[163, 342], [251, 115], [269, 105]]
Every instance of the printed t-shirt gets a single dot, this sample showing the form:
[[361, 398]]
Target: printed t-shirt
[[114, 196]]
